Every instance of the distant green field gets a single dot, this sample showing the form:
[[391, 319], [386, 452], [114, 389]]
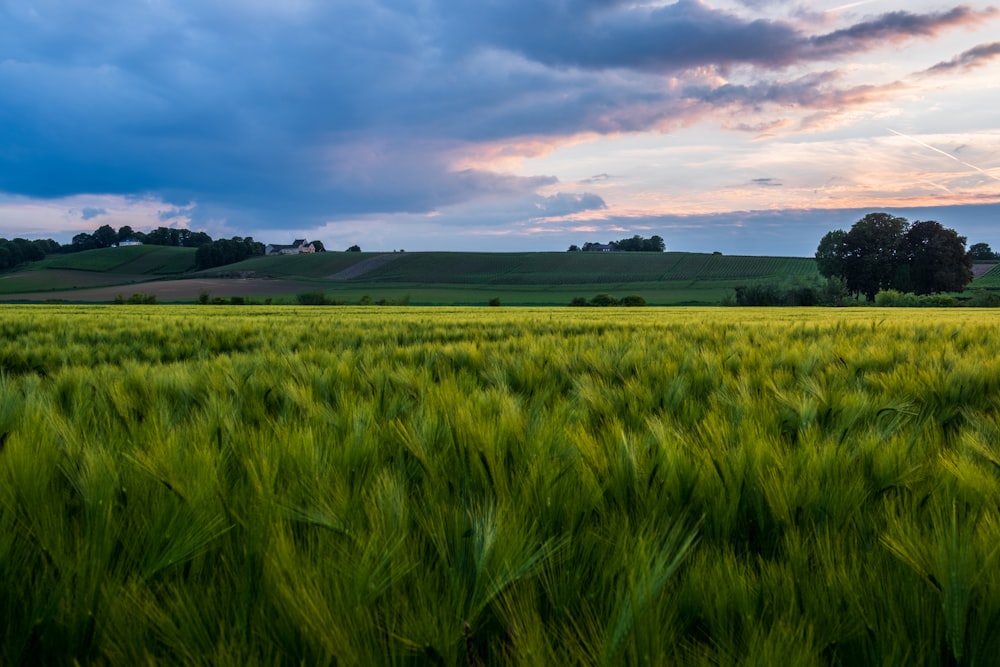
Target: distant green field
[[655, 293], [425, 278], [145, 260], [560, 268], [59, 279], [990, 281], [316, 266]]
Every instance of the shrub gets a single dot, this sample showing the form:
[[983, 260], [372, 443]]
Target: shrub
[[984, 299], [578, 301], [495, 301], [312, 299], [603, 300], [136, 299], [894, 299], [633, 300]]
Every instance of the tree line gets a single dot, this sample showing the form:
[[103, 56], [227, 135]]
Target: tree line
[[210, 253], [886, 252], [17, 251], [637, 243], [106, 236]]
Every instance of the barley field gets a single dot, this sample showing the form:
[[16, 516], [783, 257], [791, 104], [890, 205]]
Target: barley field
[[404, 486]]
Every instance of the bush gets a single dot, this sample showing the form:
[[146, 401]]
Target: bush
[[578, 301], [603, 300], [312, 299], [136, 299], [204, 297], [495, 301], [984, 299], [833, 292], [895, 299], [633, 300]]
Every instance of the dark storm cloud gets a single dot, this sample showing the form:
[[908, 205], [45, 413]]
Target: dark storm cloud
[[314, 110]]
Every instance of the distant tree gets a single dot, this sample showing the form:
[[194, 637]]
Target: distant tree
[[318, 246], [189, 239], [882, 252], [872, 253], [982, 252], [938, 261], [829, 258], [640, 244], [227, 251], [105, 237], [125, 233], [164, 236], [47, 246], [574, 248], [17, 251], [354, 248], [603, 300], [83, 241]]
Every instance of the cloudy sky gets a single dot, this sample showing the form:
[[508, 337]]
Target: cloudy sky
[[743, 126]]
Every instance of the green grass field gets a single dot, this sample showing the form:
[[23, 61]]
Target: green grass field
[[989, 280], [455, 486], [431, 278], [144, 260]]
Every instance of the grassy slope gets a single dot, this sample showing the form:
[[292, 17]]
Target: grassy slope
[[146, 260], [315, 267], [564, 268], [989, 280], [556, 278], [99, 268], [439, 277]]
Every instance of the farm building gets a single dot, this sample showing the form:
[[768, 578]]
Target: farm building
[[299, 246]]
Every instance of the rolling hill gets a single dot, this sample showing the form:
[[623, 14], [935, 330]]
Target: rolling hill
[[535, 278]]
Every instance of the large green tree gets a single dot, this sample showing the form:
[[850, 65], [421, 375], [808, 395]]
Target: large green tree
[[882, 251], [873, 252], [937, 258]]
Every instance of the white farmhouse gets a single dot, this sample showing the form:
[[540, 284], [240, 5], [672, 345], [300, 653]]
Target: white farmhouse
[[296, 248]]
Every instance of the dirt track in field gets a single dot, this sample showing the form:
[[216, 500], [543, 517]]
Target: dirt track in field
[[173, 290]]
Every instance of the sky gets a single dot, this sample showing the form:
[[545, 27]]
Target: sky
[[735, 126]]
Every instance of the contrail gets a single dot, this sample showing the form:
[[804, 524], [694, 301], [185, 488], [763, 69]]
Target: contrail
[[944, 153], [850, 6]]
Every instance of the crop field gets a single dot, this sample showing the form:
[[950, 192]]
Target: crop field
[[584, 267], [988, 280], [129, 260], [409, 486], [422, 278]]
